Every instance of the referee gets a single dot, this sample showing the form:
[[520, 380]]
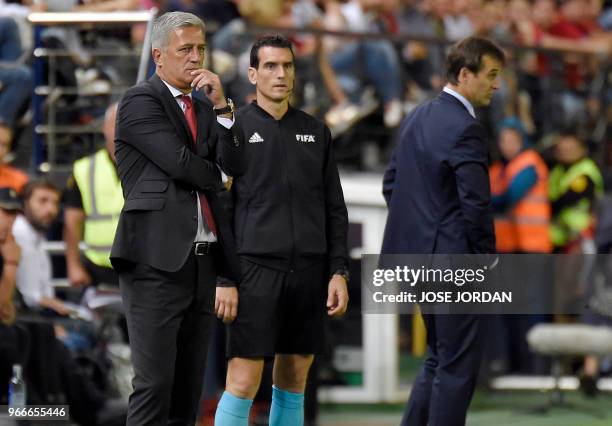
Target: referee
[[290, 225]]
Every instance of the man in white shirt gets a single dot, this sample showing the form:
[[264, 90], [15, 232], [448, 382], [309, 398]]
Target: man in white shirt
[[41, 207]]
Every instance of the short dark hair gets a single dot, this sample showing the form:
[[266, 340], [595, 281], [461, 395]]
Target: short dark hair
[[270, 40], [40, 183], [468, 53], [572, 133]]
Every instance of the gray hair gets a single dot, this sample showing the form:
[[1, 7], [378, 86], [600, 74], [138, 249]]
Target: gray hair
[[165, 24]]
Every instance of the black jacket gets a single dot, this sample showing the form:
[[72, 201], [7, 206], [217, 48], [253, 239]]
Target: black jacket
[[160, 176], [289, 206]]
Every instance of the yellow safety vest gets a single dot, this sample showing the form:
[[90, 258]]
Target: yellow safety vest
[[572, 220], [102, 202]]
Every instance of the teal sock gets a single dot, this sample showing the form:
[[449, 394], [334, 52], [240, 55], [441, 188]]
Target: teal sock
[[287, 408], [232, 411]]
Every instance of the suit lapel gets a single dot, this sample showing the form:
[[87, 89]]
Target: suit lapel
[[175, 113]]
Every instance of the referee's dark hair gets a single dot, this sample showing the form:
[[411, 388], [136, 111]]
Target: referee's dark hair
[[270, 40], [468, 53]]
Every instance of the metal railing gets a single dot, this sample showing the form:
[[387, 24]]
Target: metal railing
[[599, 84], [46, 132]]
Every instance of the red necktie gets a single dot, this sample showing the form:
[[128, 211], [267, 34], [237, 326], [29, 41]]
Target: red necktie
[[193, 126]]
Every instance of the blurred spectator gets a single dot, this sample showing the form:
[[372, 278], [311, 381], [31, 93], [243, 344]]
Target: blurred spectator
[[494, 23], [260, 12], [215, 13], [519, 189], [519, 194], [234, 40], [34, 275], [373, 61], [10, 176], [10, 42], [542, 98], [423, 62], [15, 80], [92, 75], [137, 30], [19, 11], [93, 201], [15, 87], [570, 26], [41, 206], [574, 185], [457, 24], [231, 55], [105, 5], [10, 253], [605, 19], [9, 259], [344, 111], [75, 381]]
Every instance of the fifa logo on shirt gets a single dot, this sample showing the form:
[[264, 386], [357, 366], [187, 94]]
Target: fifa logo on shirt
[[305, 138]]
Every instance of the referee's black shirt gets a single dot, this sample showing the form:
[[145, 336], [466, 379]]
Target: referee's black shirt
[[289, 206]]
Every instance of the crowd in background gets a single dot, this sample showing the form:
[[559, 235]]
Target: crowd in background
[[551, 116], [376, 78]]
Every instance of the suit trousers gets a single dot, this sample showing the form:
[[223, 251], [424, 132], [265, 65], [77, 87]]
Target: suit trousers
[[442, 391], [169, 317]]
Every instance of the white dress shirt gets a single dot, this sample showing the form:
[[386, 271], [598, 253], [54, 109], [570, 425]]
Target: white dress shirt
[[203, 233], [34, 271]]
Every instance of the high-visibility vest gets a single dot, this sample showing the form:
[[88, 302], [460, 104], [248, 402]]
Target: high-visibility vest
[[573, 221], [525, 227], [102, 202]]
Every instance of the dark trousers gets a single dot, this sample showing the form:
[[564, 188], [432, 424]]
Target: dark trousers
[[169, 317], [442, 392]]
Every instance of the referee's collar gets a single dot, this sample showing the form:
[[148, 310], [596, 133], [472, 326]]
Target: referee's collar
[[265, 113]]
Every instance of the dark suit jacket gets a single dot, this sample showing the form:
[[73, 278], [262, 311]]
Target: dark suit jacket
[[160, 176], [437, 183]]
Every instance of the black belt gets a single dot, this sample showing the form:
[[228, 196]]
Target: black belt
[[203, 249]]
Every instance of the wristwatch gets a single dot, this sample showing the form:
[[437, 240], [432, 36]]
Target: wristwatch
[[343, 272], [226, 109]]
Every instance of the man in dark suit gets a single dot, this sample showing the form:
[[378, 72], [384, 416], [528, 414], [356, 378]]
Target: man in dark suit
[[173, 237], [437, 191]]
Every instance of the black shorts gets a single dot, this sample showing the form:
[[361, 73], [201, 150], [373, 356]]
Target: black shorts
[[279, 312]]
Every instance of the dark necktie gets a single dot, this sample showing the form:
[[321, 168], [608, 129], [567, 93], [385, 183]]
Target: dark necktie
[[193, 126]]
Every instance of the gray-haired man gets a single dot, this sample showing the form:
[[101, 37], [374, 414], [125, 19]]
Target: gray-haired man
[[173, 237]]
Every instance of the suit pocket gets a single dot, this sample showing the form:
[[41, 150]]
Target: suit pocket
[[147, 186], [144, 204]]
